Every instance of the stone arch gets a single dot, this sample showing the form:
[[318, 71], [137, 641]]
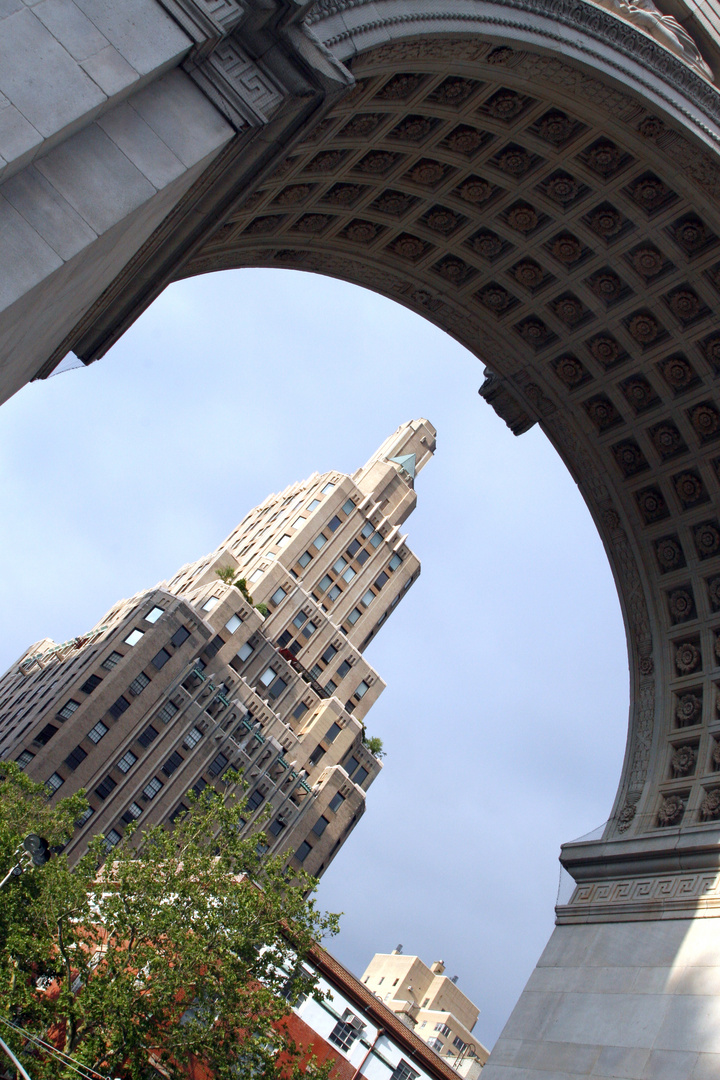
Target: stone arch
[[564, 232]]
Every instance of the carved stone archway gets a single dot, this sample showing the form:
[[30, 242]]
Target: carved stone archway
[[540, 180]]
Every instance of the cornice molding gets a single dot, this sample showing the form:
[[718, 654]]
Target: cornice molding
[[604, 31]]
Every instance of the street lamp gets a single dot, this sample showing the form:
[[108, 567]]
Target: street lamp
[[34, 851]]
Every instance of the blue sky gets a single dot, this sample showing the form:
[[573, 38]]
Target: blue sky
[[505, 715]]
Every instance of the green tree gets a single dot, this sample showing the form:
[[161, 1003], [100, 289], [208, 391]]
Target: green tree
[[185, 947], [226, 574], [374, 745]]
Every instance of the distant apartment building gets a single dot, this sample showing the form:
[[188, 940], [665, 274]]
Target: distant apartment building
[[432, 1005], [359, 1035], [180, 683]]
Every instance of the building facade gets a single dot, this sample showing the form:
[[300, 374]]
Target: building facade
[[180, 683], [360, 1034], [431, 1004]]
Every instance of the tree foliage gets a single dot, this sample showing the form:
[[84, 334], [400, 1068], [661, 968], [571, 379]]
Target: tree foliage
[[183, 949]]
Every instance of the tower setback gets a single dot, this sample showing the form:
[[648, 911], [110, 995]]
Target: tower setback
[[181, 683]]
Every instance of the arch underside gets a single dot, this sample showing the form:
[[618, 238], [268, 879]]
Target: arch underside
[[568, 234]]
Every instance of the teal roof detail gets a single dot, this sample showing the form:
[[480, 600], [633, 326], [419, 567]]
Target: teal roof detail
[[406, 462]]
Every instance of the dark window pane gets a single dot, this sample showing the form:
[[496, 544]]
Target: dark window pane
[[343, 669], [147, 736], [332, 732], [303, 851], [110, 661], [316, 755], [119, 707], [217, 766], [45, 735], [161, 659], [353, 548], [320, 826], [328, 654], [381, 580], [300, 710], [103, 790], [284, 639], [334, 523], [351, 765], [360, 776], [73, 759], [179, 636], [255, 800], [173, 762], [362, 557], [89, 685], [336, 801]]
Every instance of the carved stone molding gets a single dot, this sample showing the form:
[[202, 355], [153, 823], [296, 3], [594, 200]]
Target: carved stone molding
[[207, 22], [665, 896], [601, 30], [240, 89]]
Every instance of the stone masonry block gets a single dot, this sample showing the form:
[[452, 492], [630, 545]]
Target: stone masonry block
[[49, 213], [140, 30], [71, 27]]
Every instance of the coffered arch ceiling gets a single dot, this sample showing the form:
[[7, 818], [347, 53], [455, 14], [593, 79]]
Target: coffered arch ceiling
[[569, 235]]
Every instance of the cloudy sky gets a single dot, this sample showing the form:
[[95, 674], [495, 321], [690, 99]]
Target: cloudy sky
[[505, 715]]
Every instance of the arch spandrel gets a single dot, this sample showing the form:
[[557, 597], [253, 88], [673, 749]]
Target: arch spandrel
[[568, 234]]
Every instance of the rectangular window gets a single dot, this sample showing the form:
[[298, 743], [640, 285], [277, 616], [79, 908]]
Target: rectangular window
[[119, 707], [349, 574], [367, 530], [180, 635], [362, 690], [395, 562], [330, 687], [305, 559], [284, 640], [103, 790], [192, 738], [336, 802], [362, 557], [54, 782], [179, 811], [360, 776], [320, 541], [348, 507], [233, 623], [96, 733], [334, 592], [334, 523], [316, 754], [442, 1028], [457, 1041], [210, 603], [160, 659], [217, 766], [154, 615], [90, 683], [376, 539], [134, 636], [167, 712], [324, 584], [255, 576], [343, 1035], [435, 1044], [74, 759], [255, 800], [368, 598], [110, 661], [332, 733], [245, 652], [138, 684], [309, 629], [339, 565], [301, 855], [299, 619], [68, 709], [277, 687], [298, 522], [402, 1071], [343, 670], [284, 539], [278, 596], [300, 710], [315, 671], [313, 505], [126, 762], [43, 737], [327, 489], [328, 654], [381, 580], [112, 839], [24, 759], [151, 789], [267, 676], [147, 736], [85, 816], [353, 549], [276, 827], [200, 787], [320, 826], [351, 765], [132, 813], [354, 616], [173, 762]]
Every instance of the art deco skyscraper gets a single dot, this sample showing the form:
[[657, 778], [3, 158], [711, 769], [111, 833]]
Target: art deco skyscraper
[[182, 682]]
